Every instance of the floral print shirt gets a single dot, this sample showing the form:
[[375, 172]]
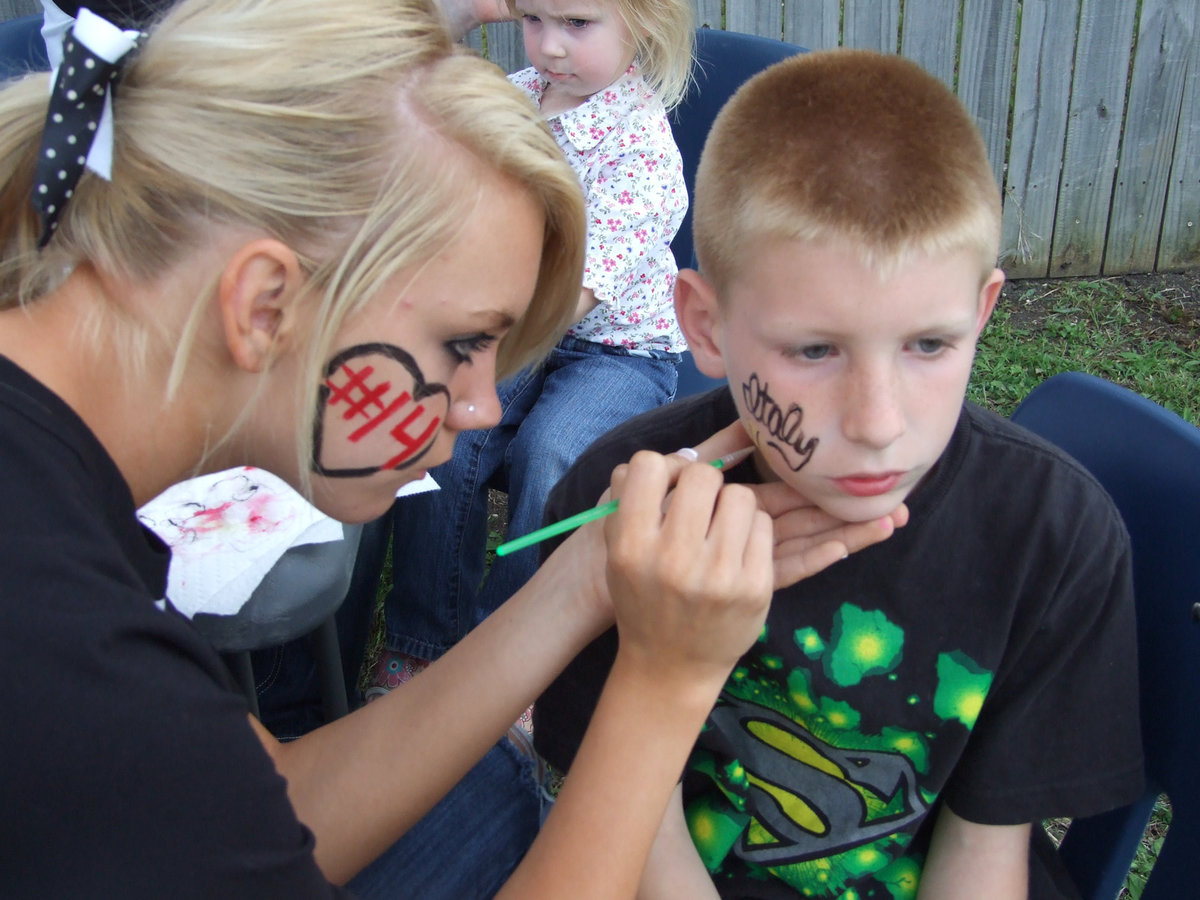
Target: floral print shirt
[[619, 143]]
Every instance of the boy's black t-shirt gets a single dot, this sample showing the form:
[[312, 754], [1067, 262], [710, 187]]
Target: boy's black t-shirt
[[984, 657], [127, 765]]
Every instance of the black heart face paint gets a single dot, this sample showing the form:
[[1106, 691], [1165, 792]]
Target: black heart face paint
[[375, 411], [785, 429]]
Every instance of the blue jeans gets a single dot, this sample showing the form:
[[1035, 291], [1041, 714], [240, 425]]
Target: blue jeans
[[468, 845], [552, 413]]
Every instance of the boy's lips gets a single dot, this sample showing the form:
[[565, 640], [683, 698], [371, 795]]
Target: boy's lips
[[868, 485]]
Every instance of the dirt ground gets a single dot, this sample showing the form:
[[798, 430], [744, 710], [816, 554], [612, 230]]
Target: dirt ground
[[1167, 304]]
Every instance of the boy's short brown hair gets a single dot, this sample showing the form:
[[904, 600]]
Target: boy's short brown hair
[[847, 144]]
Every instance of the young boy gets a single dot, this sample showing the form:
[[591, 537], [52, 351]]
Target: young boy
[[912, 713]]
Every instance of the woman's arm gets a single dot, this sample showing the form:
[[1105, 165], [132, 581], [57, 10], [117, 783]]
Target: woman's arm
[[363, 780], [992, 859], [690, 588], [684, 616], [674, 870]]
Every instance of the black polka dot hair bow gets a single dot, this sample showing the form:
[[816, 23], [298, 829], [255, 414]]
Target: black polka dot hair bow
[[78, 132]]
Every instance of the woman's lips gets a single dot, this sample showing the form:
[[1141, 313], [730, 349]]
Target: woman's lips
[[868, 485]]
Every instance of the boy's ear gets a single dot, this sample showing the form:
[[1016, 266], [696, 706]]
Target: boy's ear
[[699, 318], [988, 295], [256, 291]]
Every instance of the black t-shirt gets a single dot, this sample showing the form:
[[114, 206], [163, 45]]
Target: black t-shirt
[[983, 657], [127, 765]]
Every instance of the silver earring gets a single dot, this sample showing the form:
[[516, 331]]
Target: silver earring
[[471, 407]]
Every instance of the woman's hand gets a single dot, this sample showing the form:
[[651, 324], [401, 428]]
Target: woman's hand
[[807, 539], [690, 580]]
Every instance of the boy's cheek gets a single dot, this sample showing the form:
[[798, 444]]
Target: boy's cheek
[[776, 426]]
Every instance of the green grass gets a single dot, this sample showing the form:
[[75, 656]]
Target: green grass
[[1101, 327]]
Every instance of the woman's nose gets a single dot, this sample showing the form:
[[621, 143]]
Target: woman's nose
[[474, 404]]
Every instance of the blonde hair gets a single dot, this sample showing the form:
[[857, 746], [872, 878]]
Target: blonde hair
[[355, 132], [664, 42], [847, 144]]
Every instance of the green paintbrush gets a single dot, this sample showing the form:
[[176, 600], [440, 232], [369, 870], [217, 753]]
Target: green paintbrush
[[596, 512]]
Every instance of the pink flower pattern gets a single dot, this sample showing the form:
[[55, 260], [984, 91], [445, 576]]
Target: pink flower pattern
[[620, 145]]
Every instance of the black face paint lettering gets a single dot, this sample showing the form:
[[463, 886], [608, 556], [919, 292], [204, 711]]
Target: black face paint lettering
[[784, 427]]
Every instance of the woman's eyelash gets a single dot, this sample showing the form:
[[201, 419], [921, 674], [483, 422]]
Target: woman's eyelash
[[462, 349]]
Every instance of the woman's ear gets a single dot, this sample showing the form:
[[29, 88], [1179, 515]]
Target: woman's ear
[[257, 292], [700, 319]]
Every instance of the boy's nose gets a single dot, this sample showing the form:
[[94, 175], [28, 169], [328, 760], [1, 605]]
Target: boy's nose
[[872, 412]]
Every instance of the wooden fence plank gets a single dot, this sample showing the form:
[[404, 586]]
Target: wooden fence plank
[[506, 47], [813, 24], [1093, 134], [709, 13], [1038, 133], [930, 36], [1165, 36], [765, 19], [871, 24], [12, 9], [989, 41], [1179, 248], [1081, 192], [474, 40]]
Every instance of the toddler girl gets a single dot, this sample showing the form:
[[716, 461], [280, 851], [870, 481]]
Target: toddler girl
[[604, 74]]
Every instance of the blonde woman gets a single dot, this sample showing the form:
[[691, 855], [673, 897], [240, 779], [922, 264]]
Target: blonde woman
[[285, 254]]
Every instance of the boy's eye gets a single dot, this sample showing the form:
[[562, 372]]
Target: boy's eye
[[530, 18], [577, 23], [929, 346], [463, 349], [811, 352]]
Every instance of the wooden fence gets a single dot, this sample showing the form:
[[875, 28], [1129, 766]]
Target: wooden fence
[[1090, 109]]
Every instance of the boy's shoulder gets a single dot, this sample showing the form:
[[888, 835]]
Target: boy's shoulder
[[997, 470], [994, 435]]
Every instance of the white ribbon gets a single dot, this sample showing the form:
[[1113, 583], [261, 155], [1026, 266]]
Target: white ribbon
[[105, 40]]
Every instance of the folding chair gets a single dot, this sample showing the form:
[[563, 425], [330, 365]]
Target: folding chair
[[298, 597], [725, 60], [248, 584], [1148, 459]]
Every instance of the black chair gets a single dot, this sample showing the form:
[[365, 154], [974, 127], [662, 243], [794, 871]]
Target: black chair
[[298, 597], [22, 49], [725, 60], [1148, 459]]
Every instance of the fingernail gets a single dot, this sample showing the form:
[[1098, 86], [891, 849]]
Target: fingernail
[[687, 453]]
